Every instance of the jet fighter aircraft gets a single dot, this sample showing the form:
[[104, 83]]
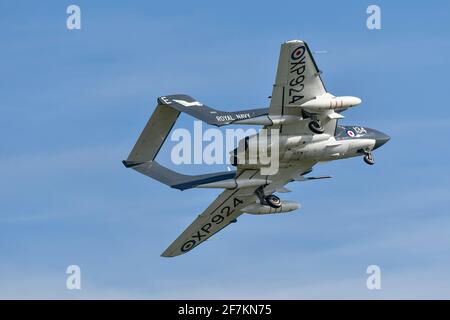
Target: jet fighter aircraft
[[304, 114]]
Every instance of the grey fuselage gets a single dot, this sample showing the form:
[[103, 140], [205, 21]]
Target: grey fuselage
[[347, 141]]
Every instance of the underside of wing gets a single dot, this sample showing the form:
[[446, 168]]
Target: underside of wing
[[229, 205], [298, 78], [298, 81], [219, 214]]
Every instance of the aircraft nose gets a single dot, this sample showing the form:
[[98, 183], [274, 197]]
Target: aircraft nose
[[381, 139]]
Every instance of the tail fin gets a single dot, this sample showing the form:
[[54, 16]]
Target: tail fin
[[142, 156]]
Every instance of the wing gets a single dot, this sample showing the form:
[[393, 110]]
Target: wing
[[298, 78], [298, 81], [219, 214], [227, 207]]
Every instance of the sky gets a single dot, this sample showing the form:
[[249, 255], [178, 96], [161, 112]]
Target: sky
[[73, 102]]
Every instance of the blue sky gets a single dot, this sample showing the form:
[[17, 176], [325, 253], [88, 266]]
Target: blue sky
[[72, 104]]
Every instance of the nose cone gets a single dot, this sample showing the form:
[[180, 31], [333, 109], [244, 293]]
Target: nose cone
[[349, 101], [381, 138]]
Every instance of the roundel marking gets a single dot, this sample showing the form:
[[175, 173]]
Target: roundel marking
[[350, 133], [188, 245], [298, 53]]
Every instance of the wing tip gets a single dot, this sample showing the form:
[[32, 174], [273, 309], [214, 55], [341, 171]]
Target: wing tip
[[131, 164], [295, 41], [167, 254]]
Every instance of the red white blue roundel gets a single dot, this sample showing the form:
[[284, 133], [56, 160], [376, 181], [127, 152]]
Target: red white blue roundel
[[298, 53], [350, 133]]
